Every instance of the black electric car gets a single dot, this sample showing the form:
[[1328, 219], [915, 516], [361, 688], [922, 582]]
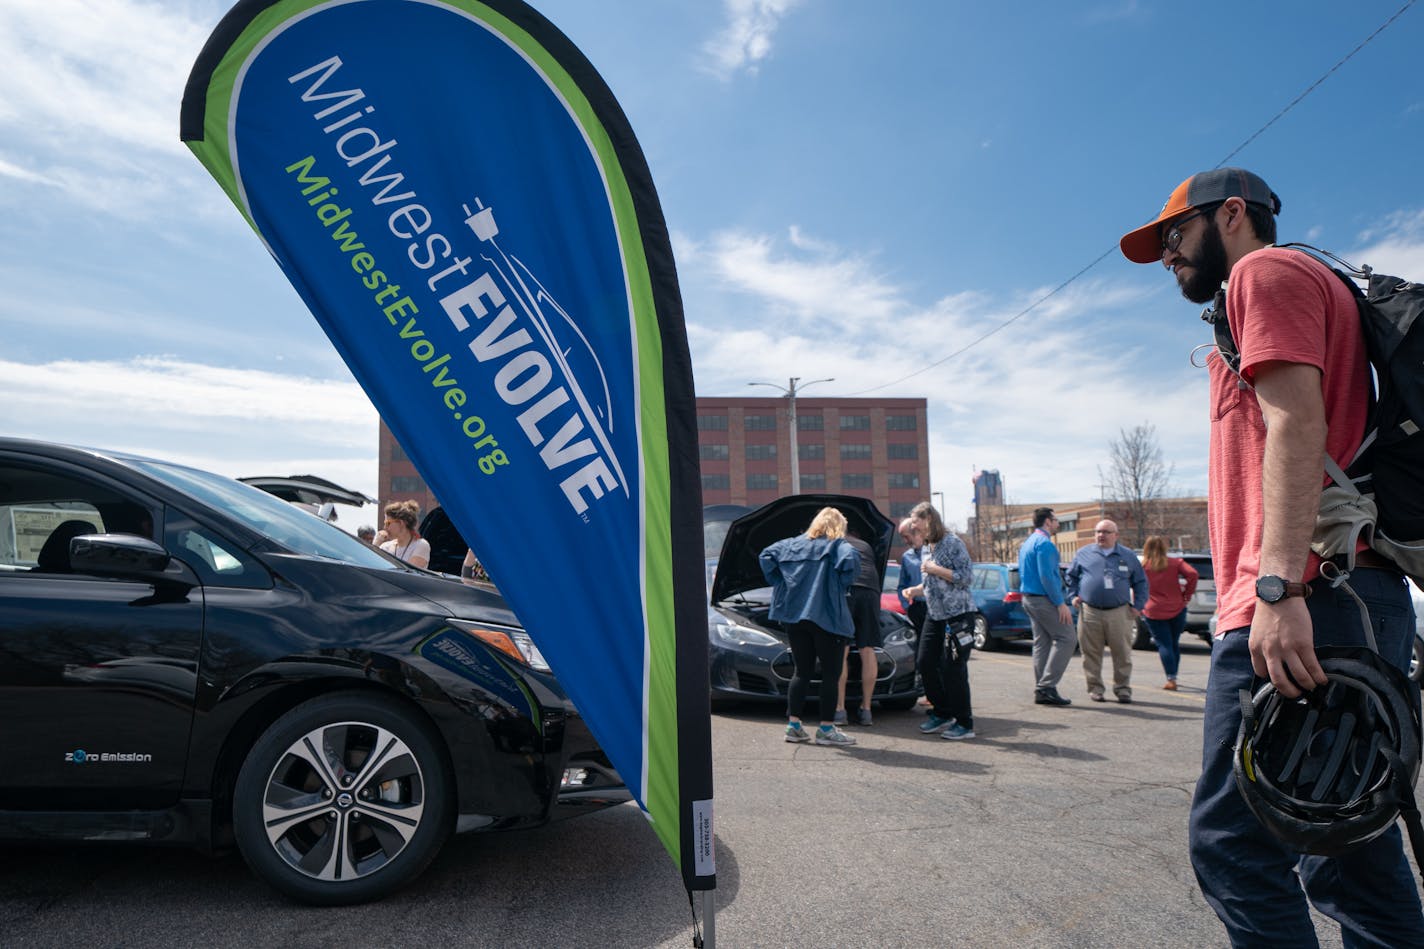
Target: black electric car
[[749, 655], [187, 659]]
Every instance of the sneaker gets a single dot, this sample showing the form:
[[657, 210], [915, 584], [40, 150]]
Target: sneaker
[[862, 717], [833, 736], [934, 723], [796, 733], [840, 717], [957, 732]]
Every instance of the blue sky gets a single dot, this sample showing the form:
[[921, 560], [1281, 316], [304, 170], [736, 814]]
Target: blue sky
[[855, 190]]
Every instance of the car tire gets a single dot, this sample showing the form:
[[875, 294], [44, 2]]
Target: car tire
[[294, 807], [983, 639]]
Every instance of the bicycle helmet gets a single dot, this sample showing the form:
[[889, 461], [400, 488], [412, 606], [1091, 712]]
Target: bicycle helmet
[[1332, 769]]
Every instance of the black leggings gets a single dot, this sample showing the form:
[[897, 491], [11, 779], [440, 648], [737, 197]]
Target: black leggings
[[945, 671], [809, 643]]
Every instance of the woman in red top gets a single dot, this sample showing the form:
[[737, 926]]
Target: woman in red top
[[1171, 581]]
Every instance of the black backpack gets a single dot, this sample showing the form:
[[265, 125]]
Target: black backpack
[[1380, 494]]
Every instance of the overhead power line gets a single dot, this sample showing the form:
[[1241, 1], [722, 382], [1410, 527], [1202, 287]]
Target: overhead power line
[[1099, 259]]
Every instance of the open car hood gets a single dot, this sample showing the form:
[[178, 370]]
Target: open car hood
[[308, 489], [738, 568]]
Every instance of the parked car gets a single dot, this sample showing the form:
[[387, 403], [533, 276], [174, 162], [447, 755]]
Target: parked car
[[1202, 605], [999, 602], [1201, 608], [190, 660], [889, 590], [447, 547], [314, 495], [748, 652], [1416, 658], [1416, 661]]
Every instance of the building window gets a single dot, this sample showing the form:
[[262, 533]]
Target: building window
[[407, 485], [902, 450], [901, 479], [711, 423], [759, 423], [811, 423], [716, 482], [810, 452], [899, 423], [901, 508], [855, 423], [855, 451], [713, 452], [761, 482], [760, 452], [813, 482], [861, 481]]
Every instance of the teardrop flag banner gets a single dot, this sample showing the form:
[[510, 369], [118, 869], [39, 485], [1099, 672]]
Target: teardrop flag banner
[[459, 200]]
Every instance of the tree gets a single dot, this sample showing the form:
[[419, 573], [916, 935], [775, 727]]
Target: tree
[[1138, 479]]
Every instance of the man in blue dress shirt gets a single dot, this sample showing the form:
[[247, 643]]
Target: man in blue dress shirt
[[1042, 587], [1109, 587]]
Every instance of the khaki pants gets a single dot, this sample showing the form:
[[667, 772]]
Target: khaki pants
[[1112, 628]]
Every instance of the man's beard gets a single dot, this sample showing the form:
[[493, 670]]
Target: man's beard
[[1208, 268]]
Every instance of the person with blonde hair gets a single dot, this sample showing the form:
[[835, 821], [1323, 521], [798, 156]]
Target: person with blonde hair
[[405, 542], [809, 576], [1171, 581]]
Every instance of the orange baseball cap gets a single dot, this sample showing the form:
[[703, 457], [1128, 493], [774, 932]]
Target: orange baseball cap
[[1144, 245]]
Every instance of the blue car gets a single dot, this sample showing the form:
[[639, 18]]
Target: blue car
[[999, 604]]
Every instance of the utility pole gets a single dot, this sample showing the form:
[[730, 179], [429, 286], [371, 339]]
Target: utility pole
[[790, 392]]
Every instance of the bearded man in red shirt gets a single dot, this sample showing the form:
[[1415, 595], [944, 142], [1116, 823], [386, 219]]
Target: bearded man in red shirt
[[1301, 390]]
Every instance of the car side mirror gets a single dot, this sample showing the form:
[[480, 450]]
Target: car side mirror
[[118, 555]]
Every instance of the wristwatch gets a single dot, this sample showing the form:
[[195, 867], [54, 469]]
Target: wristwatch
[[1274, 589]]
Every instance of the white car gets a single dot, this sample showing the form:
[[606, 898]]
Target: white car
[[1416, 660]]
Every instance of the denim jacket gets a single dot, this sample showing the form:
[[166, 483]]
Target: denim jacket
[[809, 578]]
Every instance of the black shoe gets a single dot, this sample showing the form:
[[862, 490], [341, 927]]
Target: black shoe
[[1125, 698], [1049, 697]]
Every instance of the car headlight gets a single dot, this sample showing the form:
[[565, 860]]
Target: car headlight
[[510, 640], [900, 636], [734, 634]]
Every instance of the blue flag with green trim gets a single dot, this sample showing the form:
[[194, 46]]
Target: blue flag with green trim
[[459, 200]]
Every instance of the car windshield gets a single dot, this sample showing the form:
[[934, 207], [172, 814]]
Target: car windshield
[[1202, 565], [289, 526], [892, 578]]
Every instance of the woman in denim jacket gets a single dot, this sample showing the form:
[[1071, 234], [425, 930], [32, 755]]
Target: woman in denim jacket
[[809, 577]]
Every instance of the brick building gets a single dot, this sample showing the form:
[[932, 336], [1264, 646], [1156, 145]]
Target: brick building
[[874, 448]]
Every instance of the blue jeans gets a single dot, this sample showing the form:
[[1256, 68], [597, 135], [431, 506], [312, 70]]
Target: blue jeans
[[1165, 633], [1248, 877]]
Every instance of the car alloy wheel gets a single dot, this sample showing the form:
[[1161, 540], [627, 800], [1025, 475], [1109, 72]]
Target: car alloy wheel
[[982, 639], [342, 800]]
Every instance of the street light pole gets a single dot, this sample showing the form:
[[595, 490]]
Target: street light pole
[[790, 392]]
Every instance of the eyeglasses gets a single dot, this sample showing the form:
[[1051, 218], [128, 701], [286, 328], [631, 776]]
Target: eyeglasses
[[1173, 238], [1104, 532]]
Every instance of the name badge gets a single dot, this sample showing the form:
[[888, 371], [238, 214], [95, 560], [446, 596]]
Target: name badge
[[1107, 582]]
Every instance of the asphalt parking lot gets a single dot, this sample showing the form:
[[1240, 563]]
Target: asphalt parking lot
[[1053, 828]]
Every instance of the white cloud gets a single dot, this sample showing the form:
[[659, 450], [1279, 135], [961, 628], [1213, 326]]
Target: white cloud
[[1395, 247], [90, 95], [232, 421], [746, 39], [1039, 399]]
